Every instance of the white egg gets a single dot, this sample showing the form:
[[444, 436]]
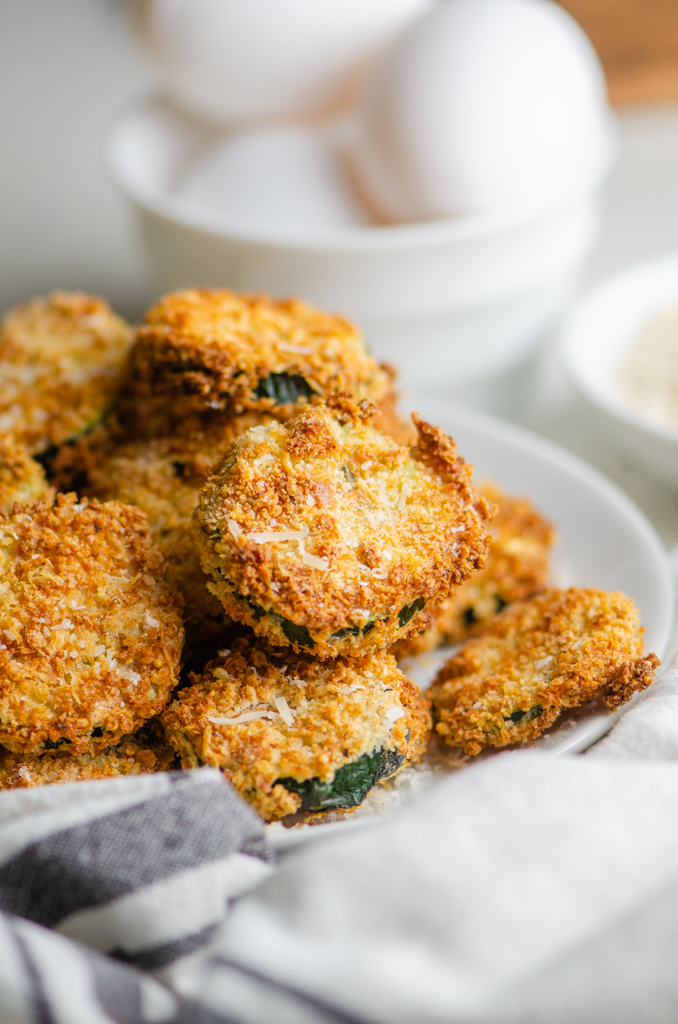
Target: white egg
[[480, 104], [234, 61], [283, 180]]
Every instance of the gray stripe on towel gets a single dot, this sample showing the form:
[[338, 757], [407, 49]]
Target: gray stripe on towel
[[93, 863], [159, 956]]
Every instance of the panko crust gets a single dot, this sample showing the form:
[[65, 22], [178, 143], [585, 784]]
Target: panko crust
[[22, 479], [139, 754], [62, 359], [163, 477], [325, 535], [211, 348], [319, 716], [517, 567], [90, 634], [537, 658]]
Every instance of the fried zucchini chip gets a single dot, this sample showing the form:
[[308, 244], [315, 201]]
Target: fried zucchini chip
[[323, 534], [133, 755], [294, 734], [90, 634], [22, 479], [163, 477], [62, 360], [536, 659], [517, 567], [205, 349]]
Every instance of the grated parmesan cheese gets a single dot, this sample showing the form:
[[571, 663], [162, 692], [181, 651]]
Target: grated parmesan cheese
[[277, 536], [315, 561], [247, 716], [647, 376], [404, 494], [284, 710], [233, 528], [299, 349], [543, 662], [393, 714]]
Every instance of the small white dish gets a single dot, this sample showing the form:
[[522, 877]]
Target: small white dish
[[604, 541], [595, 338], [447, 301]]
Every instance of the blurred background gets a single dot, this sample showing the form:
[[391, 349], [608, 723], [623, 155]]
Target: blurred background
[[68, 67]]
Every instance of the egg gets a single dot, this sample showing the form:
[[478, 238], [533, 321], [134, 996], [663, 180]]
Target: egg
[[238, 61], [481, 104], [278, 180]]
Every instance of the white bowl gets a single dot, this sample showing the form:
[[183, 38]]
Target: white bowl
[[594, 339], [447, 301]]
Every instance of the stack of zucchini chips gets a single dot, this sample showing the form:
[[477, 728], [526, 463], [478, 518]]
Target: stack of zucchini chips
[[318, 535], [304, 539], [215, 535]]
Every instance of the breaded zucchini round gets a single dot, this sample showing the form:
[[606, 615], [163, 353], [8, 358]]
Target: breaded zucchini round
[[203, 349], [22, 479], [323, 534], [133, 755], [62, 359], [292, 733], [90, 635], [517, 567], [536, 659], [163, 477]]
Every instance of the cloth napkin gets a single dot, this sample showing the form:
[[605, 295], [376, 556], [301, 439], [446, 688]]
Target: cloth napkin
[[523, 889]]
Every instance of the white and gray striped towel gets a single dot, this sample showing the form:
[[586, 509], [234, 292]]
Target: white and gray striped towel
[[523, 890], [98, 876]]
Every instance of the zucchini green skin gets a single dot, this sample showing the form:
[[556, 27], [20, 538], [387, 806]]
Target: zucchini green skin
[[284, 388], [525, 716], [299, 635], [350, 785], [408, 611]]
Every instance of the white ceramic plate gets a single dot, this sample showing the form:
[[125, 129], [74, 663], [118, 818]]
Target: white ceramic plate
[[605, 541]]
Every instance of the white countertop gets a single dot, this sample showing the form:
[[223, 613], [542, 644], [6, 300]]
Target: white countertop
[[66, 67]]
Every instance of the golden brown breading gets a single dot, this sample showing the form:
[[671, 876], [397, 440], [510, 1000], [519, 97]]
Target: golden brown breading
[[133, 755], [90, 635], [22, 479], [273, 720], [62, 359], [202, 349], [324, 534], [536, 659], [163, 477], [517, 567]]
